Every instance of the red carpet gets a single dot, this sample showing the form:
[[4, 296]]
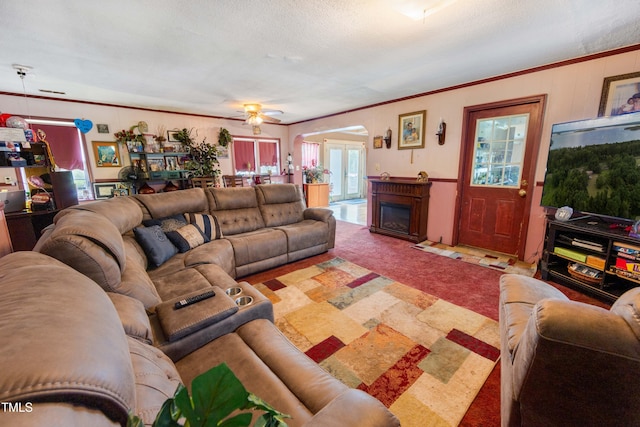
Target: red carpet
[[462, 284]]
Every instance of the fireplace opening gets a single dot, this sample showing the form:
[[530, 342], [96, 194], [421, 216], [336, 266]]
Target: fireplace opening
[[395, 217]]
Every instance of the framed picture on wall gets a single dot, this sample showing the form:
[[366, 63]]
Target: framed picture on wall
[[104, 190], [377, 142], [620, 95], [411, 127], [106, 153]]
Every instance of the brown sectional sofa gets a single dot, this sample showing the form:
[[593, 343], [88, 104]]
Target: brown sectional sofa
[[128, 348]]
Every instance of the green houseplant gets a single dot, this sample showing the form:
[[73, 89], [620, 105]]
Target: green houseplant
[[203, 158], [215, 395], [224, 138]]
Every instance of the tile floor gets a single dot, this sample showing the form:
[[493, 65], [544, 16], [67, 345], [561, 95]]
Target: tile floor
[[354, 211]]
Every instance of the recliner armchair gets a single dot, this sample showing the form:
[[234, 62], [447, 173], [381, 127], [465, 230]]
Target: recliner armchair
[[564, 362]]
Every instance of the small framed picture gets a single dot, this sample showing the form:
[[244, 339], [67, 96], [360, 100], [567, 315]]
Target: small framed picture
[[102, 128], [120, 192], [106, 153], [411, 130], [171, 163], [104, 190], [171, 135], [620, 95], [156, 165], [377, 141]]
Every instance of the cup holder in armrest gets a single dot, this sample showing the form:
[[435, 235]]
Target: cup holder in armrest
[[232, 292], [244, 301]]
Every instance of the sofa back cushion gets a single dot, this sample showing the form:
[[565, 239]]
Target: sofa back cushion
[[91, 244], [236, 209], [62, 338], [280, 204], [123, 212], [162, 205]]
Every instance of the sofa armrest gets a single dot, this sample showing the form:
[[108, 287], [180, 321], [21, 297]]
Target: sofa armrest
[[319, 214], [261, 308], [354, 408], [178, 323]]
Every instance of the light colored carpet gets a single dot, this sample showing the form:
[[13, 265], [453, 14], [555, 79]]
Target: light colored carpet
[[479, 257], [423, 357]]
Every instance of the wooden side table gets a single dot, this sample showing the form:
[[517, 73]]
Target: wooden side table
[[317, 195]]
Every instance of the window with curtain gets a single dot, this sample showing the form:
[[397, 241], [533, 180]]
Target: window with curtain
[[66, 143], [310, 154], [261, 156]]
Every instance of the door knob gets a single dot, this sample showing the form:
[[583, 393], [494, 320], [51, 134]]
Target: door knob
[[522, 193]]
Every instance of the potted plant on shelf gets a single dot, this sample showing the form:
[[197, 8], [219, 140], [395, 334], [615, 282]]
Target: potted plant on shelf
[[134, 142]]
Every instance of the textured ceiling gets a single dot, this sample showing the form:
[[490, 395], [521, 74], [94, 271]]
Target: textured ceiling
[[308, 58]]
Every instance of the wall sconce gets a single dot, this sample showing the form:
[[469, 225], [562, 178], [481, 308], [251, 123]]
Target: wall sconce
[[442, 132], [387, 137]]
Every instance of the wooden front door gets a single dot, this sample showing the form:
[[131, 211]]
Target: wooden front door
[[500, 145]]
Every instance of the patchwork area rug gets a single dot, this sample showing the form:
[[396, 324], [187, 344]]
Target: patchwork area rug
[[422, 357], [479, 257]]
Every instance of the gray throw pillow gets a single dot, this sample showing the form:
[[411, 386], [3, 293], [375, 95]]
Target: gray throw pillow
[[155, 244]]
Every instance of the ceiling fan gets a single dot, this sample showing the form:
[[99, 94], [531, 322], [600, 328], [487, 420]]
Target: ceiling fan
[[254, 115]]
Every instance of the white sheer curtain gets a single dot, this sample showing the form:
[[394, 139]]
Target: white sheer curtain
[[310, 153]]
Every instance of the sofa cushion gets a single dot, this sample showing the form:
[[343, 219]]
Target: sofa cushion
[[171, 203], [155, 243], [137, 284], [207, 223], [236, 209], [89, 243], [258, 245], [280, 204], [123, 212], [187, 237], [133, 317], [305, 234], [156, 379]]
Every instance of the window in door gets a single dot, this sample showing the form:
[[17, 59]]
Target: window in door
[[258, 156], [499, 151], [68, 147]]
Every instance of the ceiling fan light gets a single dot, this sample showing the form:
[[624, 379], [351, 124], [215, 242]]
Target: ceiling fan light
[[254, 119]]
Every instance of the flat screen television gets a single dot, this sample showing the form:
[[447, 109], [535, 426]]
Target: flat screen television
[[593, 167]]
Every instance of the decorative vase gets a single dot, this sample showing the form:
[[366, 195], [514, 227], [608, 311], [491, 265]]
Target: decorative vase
[[146, 189]]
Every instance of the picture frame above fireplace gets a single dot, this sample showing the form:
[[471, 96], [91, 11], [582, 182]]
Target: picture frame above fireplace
[[411, 128]]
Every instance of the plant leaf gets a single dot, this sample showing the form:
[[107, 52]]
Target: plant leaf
[[240, 420], [217, 393]]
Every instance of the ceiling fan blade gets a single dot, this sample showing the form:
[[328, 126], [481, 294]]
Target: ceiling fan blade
[[270, 119]]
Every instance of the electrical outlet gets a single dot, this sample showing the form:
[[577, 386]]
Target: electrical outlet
[[377, 167]]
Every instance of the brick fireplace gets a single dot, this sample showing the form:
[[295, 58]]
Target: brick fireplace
[[400, 208]]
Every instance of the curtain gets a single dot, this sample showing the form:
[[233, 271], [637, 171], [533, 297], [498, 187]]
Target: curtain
[[310, 153], [65, 147], [244, 157], [268, 154]]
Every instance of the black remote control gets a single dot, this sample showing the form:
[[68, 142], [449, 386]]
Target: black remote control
[[194, 299]]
